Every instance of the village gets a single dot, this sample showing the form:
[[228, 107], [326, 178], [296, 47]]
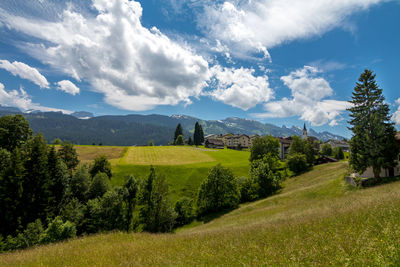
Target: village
[[243, 141]]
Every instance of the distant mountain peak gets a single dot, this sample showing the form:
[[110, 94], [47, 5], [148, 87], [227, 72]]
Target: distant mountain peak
[[83, 115]]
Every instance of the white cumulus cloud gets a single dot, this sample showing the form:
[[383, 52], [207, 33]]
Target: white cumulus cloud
[[135, 68], [25, 72], [259, 25], [22, 100], [396, 115], [239, 87], [68, 87], [308, 99]]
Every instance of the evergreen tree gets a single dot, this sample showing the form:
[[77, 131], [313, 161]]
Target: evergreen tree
[[80, 183], [101, 164], [68, 154], [36, 191], [11, 198], [178, 132], [99, 186], [373, 143], [179, 141], [198, 136], [157, 214], [56, 184], [190, 141], [130, 190]]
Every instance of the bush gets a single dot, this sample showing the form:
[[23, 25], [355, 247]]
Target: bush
[[219, 191], [58, 231], [265, 173], [338, 153], [297, 163], [99, 186], [184, 211], [73, 211], [248, 189]]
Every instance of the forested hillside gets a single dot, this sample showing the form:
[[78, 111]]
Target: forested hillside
[[127, 130]]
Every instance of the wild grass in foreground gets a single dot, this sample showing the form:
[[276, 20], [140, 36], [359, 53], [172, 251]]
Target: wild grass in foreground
[[315, 220]]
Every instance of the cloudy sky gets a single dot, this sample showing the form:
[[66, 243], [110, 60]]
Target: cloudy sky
[[279, 61]]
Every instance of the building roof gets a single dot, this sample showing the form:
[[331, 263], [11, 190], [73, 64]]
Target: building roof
[[214, 141]]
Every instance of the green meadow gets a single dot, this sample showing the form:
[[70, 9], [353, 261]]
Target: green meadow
[[184, 167], [315, 220]]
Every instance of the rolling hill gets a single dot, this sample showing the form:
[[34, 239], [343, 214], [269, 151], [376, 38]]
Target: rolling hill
[[316, 220]]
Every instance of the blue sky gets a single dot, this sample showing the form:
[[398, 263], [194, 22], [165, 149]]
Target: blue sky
[[281, 62]]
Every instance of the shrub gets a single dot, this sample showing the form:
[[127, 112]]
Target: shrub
[[265, 173], [248, 189], [338, 153], [219, 191], [57, 231], [184, 211], [73, 211], [297, 163]]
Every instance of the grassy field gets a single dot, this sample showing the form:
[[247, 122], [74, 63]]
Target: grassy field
[[184, 167], [316, 220], [87, 154], [165, 155]]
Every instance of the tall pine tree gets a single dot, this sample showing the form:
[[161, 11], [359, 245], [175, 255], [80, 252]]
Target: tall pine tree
[[178, 132], [198, 136], [373, 143]]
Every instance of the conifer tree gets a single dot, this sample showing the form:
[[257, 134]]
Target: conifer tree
[[36, 180], [198, 136], [11, 190], [178, 132], [373, 143]]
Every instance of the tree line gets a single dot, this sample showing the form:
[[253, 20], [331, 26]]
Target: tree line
[[198, 136], [46, 195]]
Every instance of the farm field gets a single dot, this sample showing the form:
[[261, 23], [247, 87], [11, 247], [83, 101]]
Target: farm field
[[184, 167], [315, 220]]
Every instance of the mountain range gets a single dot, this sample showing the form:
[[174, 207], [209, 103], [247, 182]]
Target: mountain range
[[125, 130]]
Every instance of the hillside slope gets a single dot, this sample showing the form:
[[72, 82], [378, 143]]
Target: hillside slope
[[315, 220]]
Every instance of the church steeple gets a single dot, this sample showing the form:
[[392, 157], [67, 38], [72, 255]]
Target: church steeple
[[305, 137]]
